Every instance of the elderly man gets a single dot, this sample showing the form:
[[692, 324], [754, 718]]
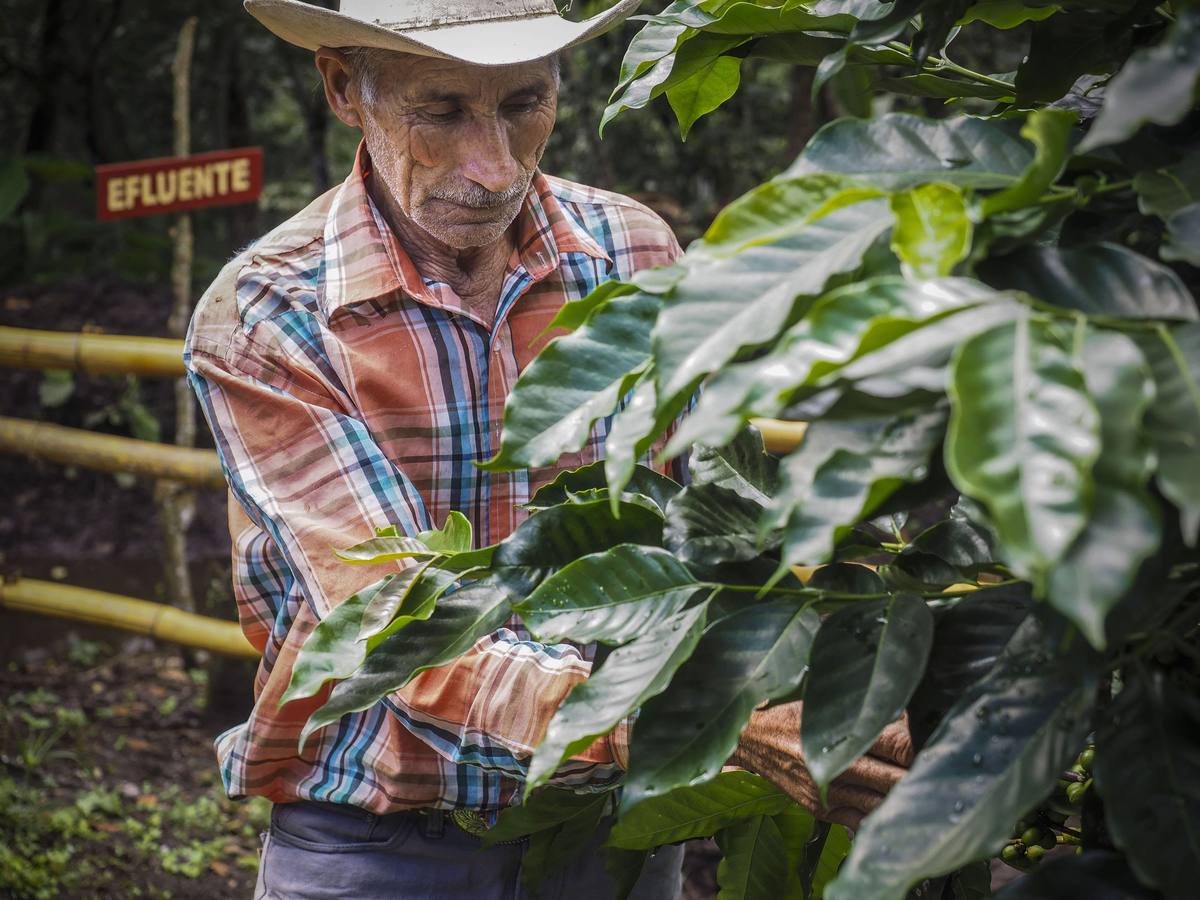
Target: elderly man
[[353, 366]]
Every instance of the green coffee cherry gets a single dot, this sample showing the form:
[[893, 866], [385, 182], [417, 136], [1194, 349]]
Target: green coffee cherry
[[1035, 853], [1087, 757], [1031, 836], [1011, 853]]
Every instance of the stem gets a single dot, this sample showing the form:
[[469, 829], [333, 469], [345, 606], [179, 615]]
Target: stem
[[978, 77]]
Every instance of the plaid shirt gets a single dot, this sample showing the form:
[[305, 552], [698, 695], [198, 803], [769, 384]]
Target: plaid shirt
[[347, 392]]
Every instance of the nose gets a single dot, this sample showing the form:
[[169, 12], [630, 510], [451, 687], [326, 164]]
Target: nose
[[487, 158]]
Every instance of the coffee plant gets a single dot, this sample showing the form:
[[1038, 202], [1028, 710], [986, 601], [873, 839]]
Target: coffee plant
[[983, 313]]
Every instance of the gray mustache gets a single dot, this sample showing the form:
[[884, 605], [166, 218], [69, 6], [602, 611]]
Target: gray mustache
[[480, 197]]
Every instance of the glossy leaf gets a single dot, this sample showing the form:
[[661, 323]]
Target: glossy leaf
[[333, 650], [541, 810], [742, 465], [462, 618], [630, 676], [685, 735], [642, 480], [958, 542], [842, 471], [710, 524], [408, 597], [754, 862], [1157, 84], [933, 231], [1049, 130], [697, 811], [898, 151], [560, 535], [1173, 421], [575, 314], [967, 640], [1067, 46], [1097, 279], [552, 850], [1123, 531], [823, 859], [636, 427], [624, 867], [1024, 437], [851, 322], [724, 306], [1006, 13], [613, 596], [996, 754], [453, 537], [385, 549], [707, 89], [866, 661], [1147, 770], [578, 379]]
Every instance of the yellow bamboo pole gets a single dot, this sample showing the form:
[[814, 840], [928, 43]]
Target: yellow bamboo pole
[[95, 354], [778, 436], [156, 620], [108, 453]]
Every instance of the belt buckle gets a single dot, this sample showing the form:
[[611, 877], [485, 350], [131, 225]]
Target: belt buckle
[[469, 820]]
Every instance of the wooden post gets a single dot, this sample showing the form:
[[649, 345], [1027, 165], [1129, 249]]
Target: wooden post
[[177, 504]]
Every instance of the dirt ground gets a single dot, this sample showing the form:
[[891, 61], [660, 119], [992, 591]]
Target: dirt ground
[[108, 784]]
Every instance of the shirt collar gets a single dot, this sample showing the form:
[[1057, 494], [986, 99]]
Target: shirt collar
[[363, 259]]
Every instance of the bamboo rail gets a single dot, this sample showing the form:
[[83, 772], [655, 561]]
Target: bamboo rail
[[95, 354], [778, 436], [109, 453], [156, 620]]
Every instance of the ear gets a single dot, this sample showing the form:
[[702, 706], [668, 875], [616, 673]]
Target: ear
[[336, 76]]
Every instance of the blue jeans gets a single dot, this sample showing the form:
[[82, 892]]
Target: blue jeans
[[321, 851]]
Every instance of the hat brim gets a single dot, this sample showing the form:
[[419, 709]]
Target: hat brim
[[496, 43]]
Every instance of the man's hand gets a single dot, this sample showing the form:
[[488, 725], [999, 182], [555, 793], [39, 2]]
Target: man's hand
[[770, 747]]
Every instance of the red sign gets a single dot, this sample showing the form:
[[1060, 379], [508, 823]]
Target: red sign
[[154, 186]]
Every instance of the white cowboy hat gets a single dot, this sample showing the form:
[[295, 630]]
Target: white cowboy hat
[[484, 32]]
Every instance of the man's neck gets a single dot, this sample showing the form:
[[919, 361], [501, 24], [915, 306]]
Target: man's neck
[[475, 274]]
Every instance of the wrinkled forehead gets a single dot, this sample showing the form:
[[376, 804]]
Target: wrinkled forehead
[[412, 78]]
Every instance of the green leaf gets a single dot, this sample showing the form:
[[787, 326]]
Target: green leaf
[[1163, 192], [1183, 236], [575, 315], [842, 471], [1096, 875], [1147, 770], [933, 232], [898, 151], [823, 860], [779, 209], [624, 867], [1097, 279], [1066, 46], [697, 811], [578, 379], [1157, 84], [967, 640], [925, 85], [996, 754], [642, 480], [542, 810], [410, 596], [552, 850], [612, 596], [866, 661], [1050, 132], [560, 535], [725, 306], [462, 618], [1024, 437], [704, 91], [333, 650], [846, 578], [959, 542], [847, 323], [742, 465], [385, 549], [710, 524], [1006, 13], [1124, 530], [754, 864], [453, 537], [636, 427], [1173, 421], [685, 735], [56, 387], [630, 676]]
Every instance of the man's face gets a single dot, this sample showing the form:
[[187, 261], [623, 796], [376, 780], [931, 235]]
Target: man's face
[[457, 145]]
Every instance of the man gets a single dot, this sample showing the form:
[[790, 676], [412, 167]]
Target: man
[[353, 366]]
